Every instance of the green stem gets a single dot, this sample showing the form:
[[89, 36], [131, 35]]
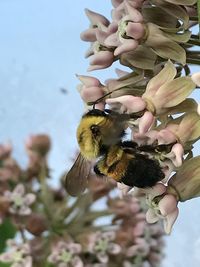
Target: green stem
[[193, 52], [193, 61], [194, 42], [194, 18]]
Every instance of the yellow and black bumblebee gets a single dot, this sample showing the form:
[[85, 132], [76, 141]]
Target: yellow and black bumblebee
[[100, 138]]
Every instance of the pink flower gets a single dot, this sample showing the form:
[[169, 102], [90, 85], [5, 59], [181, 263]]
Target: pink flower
[[161, 206], [103, 245], [130, 29], [19, 200], [65, 254], [18, 254], [5, 151]]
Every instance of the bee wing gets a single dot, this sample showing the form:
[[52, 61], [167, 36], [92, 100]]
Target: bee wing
[[77, 178]]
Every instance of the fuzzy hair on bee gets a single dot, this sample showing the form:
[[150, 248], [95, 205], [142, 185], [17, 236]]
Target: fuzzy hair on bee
[[100, 139]]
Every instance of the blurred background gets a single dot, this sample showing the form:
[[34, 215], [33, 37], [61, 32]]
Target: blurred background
[[40, 53]]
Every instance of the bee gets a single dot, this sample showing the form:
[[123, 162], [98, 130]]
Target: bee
[[100, 138]]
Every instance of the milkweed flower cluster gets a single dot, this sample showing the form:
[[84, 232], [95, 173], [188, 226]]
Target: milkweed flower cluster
[[43, 226], [156, 40]]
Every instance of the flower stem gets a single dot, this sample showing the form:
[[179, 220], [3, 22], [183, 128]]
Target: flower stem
[[194, 42], [193, 61], [194, 18]]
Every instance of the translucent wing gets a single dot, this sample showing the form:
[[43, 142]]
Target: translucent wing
[[77, 178]]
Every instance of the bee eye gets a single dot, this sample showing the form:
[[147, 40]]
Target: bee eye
[[94, 129]]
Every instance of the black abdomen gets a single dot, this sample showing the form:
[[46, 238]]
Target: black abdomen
[[142, 172]]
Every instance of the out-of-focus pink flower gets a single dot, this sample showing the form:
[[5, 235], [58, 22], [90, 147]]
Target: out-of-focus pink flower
[[19, 200], [102, 245], [5, 151], [124, 207], [39, 144], [91, 90], [161, 206], [18, 255], [66, 254]]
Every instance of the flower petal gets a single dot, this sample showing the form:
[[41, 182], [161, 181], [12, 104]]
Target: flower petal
[[29, 198], [135, 30], [89, 35], [167, 74], [131, 103], [88, 80], [167, 204], [19, 189], [96, 18], [145, 122], [127, 46], [151, 216], [170, 220]]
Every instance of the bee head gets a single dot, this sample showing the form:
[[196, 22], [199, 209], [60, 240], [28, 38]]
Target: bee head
[[89, 136]]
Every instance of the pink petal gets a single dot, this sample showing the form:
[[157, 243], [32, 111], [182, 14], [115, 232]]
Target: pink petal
[[166, 137], [145, 122], [88, 80], [19, 189], [114, 248], [29, 198], [96, 18], [127, 46], [135, 30], [131, 103], [112, 40], [170, 220], [92, 93], [102, 58], [123, 188], [116, 3], [101, 36], [24, 211], [75, 248], [151, 216], [133, 13], [77, 262], [6, 257], [89, 35], [176, 154], [138, 230], [167, 204], [156, 190]]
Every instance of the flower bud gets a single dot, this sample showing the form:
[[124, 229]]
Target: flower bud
[[39, 143], [36, 224]]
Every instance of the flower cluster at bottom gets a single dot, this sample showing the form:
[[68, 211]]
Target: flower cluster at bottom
[[44, 226]]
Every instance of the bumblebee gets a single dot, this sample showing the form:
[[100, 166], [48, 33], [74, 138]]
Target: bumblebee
[[100, 138]]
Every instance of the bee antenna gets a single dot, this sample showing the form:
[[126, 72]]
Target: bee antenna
[[93, 103]]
